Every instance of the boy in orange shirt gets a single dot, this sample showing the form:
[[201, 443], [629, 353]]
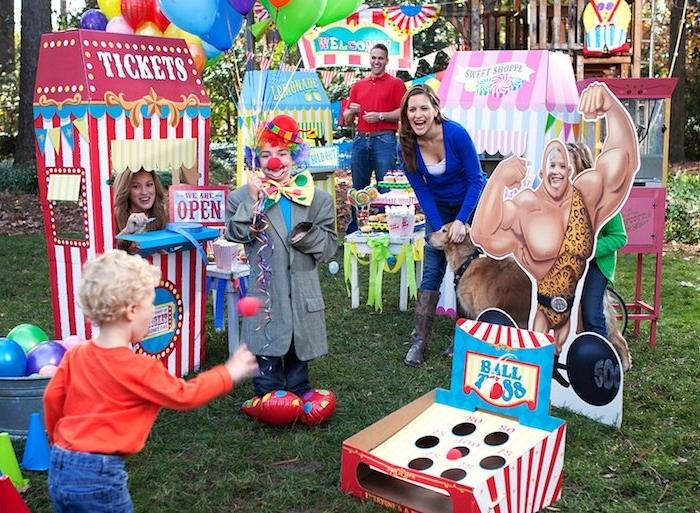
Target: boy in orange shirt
[[102, 403]]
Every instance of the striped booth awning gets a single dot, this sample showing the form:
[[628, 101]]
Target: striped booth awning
[[153, 154]]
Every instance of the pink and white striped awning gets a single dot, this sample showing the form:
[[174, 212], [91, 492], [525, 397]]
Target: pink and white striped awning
[[510, 79], [495, 334]]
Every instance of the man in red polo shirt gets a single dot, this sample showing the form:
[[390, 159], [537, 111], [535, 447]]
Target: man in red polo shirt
[[375, 102]]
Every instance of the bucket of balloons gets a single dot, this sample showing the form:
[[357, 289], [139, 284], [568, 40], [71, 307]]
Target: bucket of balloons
[[28, 359]]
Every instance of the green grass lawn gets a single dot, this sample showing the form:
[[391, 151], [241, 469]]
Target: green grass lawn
[[217, 460]]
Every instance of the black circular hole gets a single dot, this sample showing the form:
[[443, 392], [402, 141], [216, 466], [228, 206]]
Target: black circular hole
[[492, 462], [426, 442], [420, 463], [454, 474], [463, 429], [496, 438]]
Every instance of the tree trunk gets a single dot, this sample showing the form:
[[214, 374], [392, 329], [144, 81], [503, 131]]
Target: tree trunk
[[678, 115], [7, 36], [36, 20]]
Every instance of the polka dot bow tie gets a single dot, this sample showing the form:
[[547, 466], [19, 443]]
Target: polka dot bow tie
[[300, 190]]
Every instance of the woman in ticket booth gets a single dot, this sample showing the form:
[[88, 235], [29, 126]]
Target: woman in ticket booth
[[139, 204]]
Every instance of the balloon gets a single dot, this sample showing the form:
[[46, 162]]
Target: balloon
[[242, 6], [279, 3], [71, 342], [277, 408], [48, 353], [194, 16], [118, 25], [93, 19], [333, 267], [212, 52], [148, 29], [199, 56], [337, 10], [135, 12], [295, 17], [13, 361], [47, 371], [226, 26], [27, 336], [158, 17], [110, 8], [175, 32]]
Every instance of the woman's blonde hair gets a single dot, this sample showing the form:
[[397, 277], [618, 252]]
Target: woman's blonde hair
[[580, 155], [407, 137], [112, 282], [122, 204]]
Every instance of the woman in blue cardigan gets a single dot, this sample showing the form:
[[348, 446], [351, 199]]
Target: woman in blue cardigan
[[442, 166]]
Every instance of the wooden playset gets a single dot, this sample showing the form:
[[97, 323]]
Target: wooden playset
[[486, 445]]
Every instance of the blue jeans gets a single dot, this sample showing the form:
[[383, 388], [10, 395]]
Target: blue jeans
[[286, 372], [83, 482], [369, 154], [592, 309], [434, 262]]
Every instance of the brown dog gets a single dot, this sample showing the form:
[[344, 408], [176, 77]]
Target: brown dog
[[490, 283]]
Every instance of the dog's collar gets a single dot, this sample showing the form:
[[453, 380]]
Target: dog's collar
[[462, 268]]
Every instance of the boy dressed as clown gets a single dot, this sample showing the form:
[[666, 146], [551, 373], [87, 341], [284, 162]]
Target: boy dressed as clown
[[287, 227]]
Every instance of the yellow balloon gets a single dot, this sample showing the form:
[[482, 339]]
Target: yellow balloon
[[110, 8], [177, 33], [148, 28]]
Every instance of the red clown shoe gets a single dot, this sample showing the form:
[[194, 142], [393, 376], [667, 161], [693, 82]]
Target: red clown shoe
[[277, 408], [319, 405]]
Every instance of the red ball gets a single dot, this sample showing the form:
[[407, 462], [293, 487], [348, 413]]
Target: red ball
[[248, 306]]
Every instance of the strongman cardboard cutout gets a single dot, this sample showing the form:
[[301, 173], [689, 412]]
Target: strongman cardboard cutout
[[551, 232]]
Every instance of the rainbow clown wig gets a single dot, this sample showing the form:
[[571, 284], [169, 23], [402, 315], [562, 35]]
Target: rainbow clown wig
[[281, 132]]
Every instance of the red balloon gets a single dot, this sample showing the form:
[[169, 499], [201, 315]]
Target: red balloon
[[159, 18], [248, 306], [135, 12], [277, 408], [319, 405], [279, 3]]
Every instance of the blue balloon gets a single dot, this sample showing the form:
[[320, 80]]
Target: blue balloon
[[193, 16], [226, 27], [13, 361], [242, 6], [211, 51], [93, 19], [333, 267], [391, 260]]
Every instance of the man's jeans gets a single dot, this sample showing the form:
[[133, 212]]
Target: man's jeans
[[82, 482], [592, 310], [376, 153]]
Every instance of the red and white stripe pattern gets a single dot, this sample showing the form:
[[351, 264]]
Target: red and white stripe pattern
[[496, 334], [327, 76], [409, 20], [66, 262], [529, 484], [506, 142]]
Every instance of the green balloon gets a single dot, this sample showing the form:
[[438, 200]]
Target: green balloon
[[337, 10], [296, 17], [27, 336]]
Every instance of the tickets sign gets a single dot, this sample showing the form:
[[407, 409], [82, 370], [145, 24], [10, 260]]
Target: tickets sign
[[198, 204]]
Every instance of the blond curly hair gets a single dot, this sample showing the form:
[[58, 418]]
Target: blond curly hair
[[112, 282]]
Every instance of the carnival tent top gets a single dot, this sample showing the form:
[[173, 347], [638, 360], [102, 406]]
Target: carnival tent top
[[512, 102], [299, 94]]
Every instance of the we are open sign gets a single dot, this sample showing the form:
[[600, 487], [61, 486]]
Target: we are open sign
[[198, 204]]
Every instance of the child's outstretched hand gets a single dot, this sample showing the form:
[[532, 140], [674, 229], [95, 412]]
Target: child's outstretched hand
[[242, 365]]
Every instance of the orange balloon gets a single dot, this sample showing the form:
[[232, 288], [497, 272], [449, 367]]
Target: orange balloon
[[148, 29], [279, 3], [199, 56], [176, 32]]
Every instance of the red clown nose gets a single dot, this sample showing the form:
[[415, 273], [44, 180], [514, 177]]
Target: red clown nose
[[274, 164]]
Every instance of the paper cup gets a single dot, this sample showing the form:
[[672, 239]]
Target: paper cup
[[401, 226], [224, 256]]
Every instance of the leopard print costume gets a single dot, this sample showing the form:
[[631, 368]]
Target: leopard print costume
[[570, 265]]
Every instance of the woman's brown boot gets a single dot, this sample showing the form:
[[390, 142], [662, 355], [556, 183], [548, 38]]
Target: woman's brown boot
[[425, 313]]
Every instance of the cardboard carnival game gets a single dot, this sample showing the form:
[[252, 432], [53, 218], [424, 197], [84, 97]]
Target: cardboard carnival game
[[488, 444], [108, 103]]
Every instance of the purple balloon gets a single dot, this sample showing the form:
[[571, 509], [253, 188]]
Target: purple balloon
[[242, 6], [93, 19], [46, 353]]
